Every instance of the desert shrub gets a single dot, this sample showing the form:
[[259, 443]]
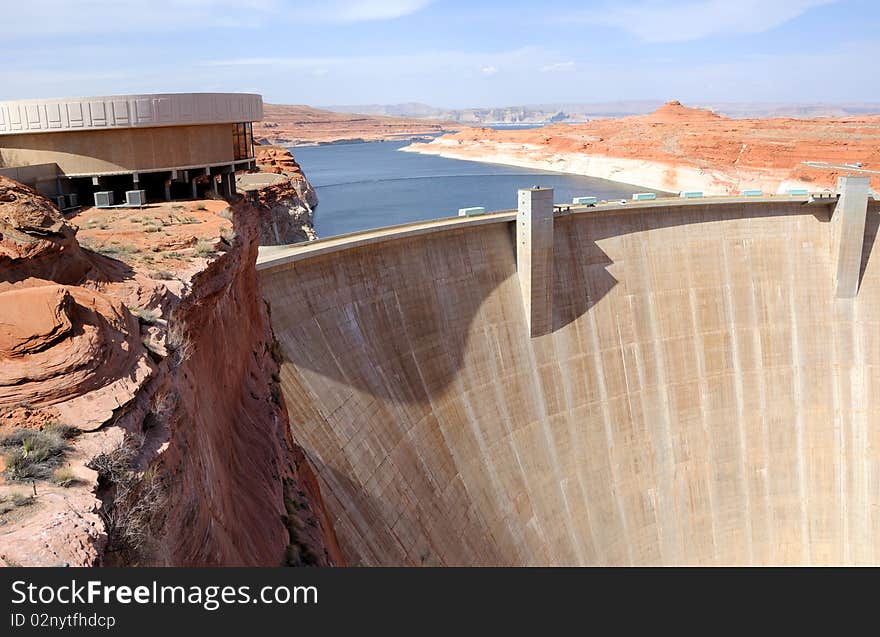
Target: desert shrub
[[162, 275], [178, 342], [204, 248], [201, 206], [118, 251], [32, 454], [133, 501], [161, 409], [64, 477]]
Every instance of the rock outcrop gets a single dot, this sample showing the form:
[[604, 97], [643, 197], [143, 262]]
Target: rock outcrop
[[35, 239], [70, 347], [679, 148], [285, 207], [159, 355]]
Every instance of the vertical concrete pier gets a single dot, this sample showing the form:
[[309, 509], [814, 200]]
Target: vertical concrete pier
[[534, 257], [848, 228]]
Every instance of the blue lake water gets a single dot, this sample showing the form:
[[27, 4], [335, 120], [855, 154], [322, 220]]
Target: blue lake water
[[362, 186]]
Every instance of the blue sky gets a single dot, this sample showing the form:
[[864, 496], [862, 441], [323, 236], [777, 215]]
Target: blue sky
[[449, 53]]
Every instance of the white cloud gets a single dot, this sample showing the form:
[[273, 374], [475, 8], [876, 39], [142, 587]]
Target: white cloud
[[489, 70], [680, 21], [357, 11], [67, 17], [558, 67]]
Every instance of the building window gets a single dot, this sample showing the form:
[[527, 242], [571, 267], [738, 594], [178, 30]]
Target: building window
[[243, 140]]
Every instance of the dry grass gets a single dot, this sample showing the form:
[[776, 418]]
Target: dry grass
[[178, 342], [32, 454], [12, 501], [204, 248], [64, 477]]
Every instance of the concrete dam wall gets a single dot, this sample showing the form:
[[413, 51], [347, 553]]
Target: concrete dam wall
[[702, 395]]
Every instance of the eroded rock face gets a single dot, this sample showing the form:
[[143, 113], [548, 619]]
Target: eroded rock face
[[35, 239], [243, 492], [285, 208], [274, 159], [72, 348], [70, 354], [201, 410], [31, 319]]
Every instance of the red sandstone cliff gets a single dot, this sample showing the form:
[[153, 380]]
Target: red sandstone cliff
[[155, 360], [678, 148], [286, 202]]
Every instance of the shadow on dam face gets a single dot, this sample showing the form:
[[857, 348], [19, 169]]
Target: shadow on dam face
[[703, 397]]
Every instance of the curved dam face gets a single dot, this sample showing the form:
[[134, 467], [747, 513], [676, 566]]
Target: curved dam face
[[702, 398]]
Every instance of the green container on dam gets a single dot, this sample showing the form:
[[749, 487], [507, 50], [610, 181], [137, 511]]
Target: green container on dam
[[751, 193], [644, 196], [471, 212], [584, 201], [798, 192], [691, 194]]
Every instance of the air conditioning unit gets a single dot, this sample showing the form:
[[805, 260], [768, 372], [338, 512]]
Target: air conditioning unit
[[103, 199], [60, 201], [136, 198], [72, 200]]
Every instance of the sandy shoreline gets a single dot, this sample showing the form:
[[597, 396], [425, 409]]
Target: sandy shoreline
[[645, 174]]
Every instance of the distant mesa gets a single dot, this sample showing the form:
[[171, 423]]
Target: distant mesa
[[674, 110]]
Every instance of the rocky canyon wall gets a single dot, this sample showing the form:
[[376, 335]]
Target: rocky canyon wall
[[152, 352]]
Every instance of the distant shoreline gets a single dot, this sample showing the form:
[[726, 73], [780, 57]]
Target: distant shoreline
[[423, 138], [639, 174]]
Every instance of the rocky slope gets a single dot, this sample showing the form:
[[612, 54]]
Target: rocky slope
[[678, 148], [292, 125], [140, 416]]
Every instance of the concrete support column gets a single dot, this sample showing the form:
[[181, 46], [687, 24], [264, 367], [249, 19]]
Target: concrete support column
[[534, 257], [848, 228], [168, 189], [195, 189]]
